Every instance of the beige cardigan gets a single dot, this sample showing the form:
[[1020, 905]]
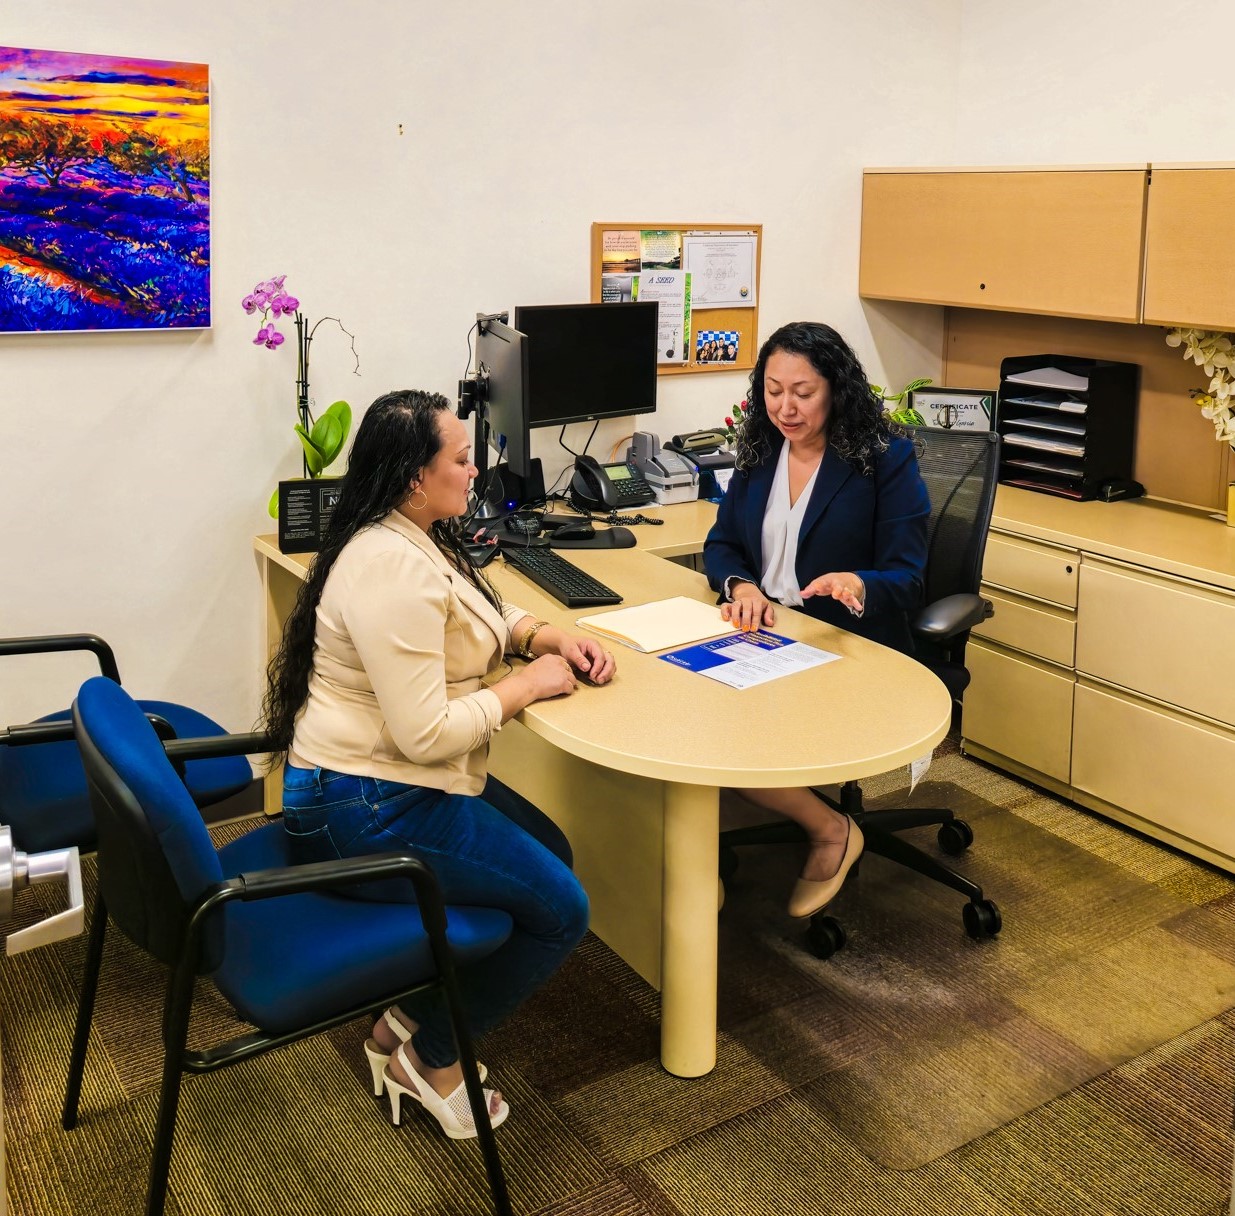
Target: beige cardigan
[[403, 641]]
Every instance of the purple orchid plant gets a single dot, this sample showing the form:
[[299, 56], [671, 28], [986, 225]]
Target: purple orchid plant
[[321, 438]]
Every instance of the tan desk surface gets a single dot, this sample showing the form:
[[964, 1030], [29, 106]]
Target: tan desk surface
[[1177, 540], [632, 771], [836, 722]]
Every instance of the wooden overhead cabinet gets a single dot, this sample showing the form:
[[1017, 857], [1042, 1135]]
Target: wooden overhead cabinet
[[1064, 242], [1189, 279]]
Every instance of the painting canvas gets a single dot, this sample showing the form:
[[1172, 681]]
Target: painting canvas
[[104, 192]]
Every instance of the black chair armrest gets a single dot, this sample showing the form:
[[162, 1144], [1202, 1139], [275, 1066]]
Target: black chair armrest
[[323, 876], [212, 747], [56, 643], [950, 616], [60, 732], [36, 732]]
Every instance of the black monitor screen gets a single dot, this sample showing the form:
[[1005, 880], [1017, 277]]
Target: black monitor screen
[[501, 363], [589, 360]]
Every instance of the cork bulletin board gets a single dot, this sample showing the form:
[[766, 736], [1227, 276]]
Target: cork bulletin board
[[706, 277]]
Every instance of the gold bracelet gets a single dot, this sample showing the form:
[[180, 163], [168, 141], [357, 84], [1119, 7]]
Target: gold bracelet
[[525, 643]]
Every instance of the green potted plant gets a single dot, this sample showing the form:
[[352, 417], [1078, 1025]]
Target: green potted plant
[[302, 506], [896, 405]]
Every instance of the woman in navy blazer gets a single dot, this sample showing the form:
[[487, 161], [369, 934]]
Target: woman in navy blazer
[[827, 513]]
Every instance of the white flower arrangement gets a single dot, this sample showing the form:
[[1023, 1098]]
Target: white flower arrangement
[[1214, 351]]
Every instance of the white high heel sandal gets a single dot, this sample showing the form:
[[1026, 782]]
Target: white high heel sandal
[[453, 1112], [378, 1059]]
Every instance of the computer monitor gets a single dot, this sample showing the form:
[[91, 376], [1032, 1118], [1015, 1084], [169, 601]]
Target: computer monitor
[[588, 361], [502, 393]]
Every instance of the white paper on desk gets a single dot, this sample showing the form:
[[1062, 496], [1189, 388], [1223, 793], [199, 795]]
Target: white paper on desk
[[746, 669], [1050, 377], [917, 770], [678, 621]]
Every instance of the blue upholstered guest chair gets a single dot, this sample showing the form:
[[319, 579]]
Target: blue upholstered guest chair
[[293, 958], [42, 787]]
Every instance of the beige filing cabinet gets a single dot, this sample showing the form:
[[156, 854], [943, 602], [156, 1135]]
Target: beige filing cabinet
[[1107, 673]]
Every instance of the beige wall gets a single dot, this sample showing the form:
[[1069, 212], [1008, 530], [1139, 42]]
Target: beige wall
[[138, 466]]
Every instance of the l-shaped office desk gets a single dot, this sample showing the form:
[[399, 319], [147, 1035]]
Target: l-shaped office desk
[[632, 772]]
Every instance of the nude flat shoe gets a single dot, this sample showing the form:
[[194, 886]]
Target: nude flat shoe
[[810, 896]]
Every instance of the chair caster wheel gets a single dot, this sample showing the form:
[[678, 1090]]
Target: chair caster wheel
[[728, 863], [825, 936], [955, 837], [982, 918]]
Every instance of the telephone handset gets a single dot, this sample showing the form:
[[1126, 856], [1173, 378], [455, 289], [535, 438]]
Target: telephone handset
[[608, 487]]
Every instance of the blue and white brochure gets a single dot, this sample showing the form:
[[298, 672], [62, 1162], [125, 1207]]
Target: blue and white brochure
[[743, 660]]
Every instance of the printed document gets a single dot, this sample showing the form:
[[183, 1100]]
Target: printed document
[[746, 659]]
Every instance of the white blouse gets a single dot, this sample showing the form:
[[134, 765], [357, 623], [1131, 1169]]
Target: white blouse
[[781, 525]]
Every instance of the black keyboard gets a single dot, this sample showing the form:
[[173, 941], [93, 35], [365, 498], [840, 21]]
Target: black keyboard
[[561, 579]]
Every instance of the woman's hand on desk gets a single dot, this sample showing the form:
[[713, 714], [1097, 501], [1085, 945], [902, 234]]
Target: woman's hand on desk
[[846, 587], [585, 655], [750, 609], [588, 656]]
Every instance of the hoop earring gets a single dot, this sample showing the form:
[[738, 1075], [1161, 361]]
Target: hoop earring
[[411, 506]]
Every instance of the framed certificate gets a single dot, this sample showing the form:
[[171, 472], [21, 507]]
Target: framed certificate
[[966, 409]]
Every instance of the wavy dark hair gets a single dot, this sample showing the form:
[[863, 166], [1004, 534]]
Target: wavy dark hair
[[857, 427], [397, 438]]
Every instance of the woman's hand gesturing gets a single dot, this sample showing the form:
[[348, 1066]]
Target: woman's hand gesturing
[[847, 588]]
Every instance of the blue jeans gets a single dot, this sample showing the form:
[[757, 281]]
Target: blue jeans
[[496, 851]]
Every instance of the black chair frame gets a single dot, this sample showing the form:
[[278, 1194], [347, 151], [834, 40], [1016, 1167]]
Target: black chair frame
[[940, 631], [265, 884]]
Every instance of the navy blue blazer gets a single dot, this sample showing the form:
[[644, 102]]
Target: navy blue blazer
[[873, 526]]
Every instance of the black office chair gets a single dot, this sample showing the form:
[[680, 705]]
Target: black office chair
[[959, 468], [43, 795], [292, 958]]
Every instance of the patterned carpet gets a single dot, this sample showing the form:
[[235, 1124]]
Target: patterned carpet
[[1081, 1063]]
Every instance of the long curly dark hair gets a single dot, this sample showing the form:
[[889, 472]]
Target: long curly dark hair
[[397, 438], [857, 428]]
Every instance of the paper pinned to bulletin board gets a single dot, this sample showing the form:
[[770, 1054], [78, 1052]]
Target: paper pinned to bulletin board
[[705, 278]]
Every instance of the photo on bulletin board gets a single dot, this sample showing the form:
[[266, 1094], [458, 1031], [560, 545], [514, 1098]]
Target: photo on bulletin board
[[962, 409], [717, 345]]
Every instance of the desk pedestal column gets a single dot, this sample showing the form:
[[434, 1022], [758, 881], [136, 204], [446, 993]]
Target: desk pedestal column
[[688, 929]]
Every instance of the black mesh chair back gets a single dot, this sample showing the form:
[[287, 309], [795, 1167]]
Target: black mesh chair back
[[959, 468]]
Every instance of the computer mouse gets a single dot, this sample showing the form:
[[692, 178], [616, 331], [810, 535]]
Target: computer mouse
[[574, 532]]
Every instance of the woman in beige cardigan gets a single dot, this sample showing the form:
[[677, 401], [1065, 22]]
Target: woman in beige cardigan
[[377, 697]]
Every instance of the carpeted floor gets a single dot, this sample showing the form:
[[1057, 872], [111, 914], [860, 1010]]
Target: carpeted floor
[[1081, 1063]]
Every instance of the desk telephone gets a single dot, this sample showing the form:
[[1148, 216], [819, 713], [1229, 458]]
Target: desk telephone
[[608, 487]]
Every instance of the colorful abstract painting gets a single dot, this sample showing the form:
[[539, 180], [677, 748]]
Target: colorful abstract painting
[[104, 192]]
